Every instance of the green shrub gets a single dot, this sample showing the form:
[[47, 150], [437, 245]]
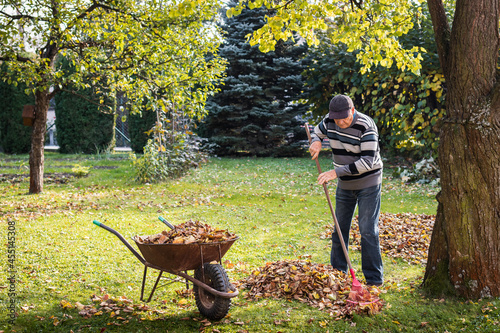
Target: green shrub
[[425, 171], [80, 171], [139, 124], [82, 126], [15, 138], [161, 161]]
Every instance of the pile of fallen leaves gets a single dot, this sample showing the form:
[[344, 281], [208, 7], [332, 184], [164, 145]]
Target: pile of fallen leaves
[[403, 235], [188, 233], [318, 285]]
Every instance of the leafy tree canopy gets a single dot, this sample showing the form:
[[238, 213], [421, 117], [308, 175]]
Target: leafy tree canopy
[[405, 106], [370, 27], [157, 53], [150, 50]]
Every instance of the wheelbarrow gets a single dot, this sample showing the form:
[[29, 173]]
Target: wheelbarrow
[[211, 286]]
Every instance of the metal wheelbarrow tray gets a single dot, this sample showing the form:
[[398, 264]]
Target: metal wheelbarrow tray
[[211, 286]]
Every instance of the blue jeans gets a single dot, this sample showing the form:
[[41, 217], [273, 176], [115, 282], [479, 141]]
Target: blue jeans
[[368, 201]]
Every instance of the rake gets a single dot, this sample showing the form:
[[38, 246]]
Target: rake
[[356, 285]]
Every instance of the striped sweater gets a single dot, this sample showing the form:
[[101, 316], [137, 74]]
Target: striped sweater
[[356, 152]]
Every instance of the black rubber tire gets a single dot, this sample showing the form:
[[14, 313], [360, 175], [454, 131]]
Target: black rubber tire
[[211, 306]]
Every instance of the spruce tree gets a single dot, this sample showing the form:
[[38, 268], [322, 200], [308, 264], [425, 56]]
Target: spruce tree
[[256, 111]]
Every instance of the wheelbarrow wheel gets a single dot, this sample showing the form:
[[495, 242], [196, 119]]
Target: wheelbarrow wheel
[[211, 306]]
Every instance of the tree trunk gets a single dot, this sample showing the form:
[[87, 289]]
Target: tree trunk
[[465, 248], [38, 142]]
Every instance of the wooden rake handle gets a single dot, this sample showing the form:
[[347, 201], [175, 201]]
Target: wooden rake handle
[[337, 227]]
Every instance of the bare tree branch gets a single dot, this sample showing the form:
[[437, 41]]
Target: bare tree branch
[[442, 32], [285, 5], [72, 92], [17, 16], [15, 58], [358, 3]]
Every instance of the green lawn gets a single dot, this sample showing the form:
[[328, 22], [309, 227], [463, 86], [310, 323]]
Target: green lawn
[[274, 205]]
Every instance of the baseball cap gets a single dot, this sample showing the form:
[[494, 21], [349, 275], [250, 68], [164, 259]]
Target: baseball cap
[[340, 107]]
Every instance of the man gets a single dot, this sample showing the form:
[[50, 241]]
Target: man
[[353, 138]]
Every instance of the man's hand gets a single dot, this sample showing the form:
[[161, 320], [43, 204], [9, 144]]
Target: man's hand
[[314, 149], [326, 176]]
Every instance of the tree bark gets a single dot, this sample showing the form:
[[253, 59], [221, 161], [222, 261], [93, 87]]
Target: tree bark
[[42, 101], [465, 245], [37, 158]]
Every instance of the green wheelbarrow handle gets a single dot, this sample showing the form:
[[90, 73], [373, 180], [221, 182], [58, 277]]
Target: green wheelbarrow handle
[[166, 222]]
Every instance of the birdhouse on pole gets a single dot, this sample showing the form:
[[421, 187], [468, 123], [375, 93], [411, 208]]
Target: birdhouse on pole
[[28, 115]]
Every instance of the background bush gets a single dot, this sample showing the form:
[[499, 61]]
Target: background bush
[[82, 125], [167, 159], [139, 124], [15, 138]]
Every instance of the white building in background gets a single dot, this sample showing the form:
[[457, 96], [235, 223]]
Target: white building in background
[[51, 140], [122, 135]]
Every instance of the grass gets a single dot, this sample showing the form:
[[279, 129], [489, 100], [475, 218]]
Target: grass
[[274, 205]]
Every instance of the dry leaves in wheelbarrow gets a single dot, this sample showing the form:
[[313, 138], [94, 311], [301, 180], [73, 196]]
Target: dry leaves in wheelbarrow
[[188, 233], [318, 285]]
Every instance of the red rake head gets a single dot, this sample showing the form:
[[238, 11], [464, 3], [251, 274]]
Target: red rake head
[[359, 294], [363, 302], [356, 285]]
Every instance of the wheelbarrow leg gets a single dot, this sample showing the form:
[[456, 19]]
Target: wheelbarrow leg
[[187, 281], [154, 288], [143, 282]]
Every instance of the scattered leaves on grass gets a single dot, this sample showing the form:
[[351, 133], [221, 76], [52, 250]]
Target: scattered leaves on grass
[[318, 285], [119, 308], [403, 235], [187, 233], [49, 178], [26, 307], [186, 201], [33, 210]]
